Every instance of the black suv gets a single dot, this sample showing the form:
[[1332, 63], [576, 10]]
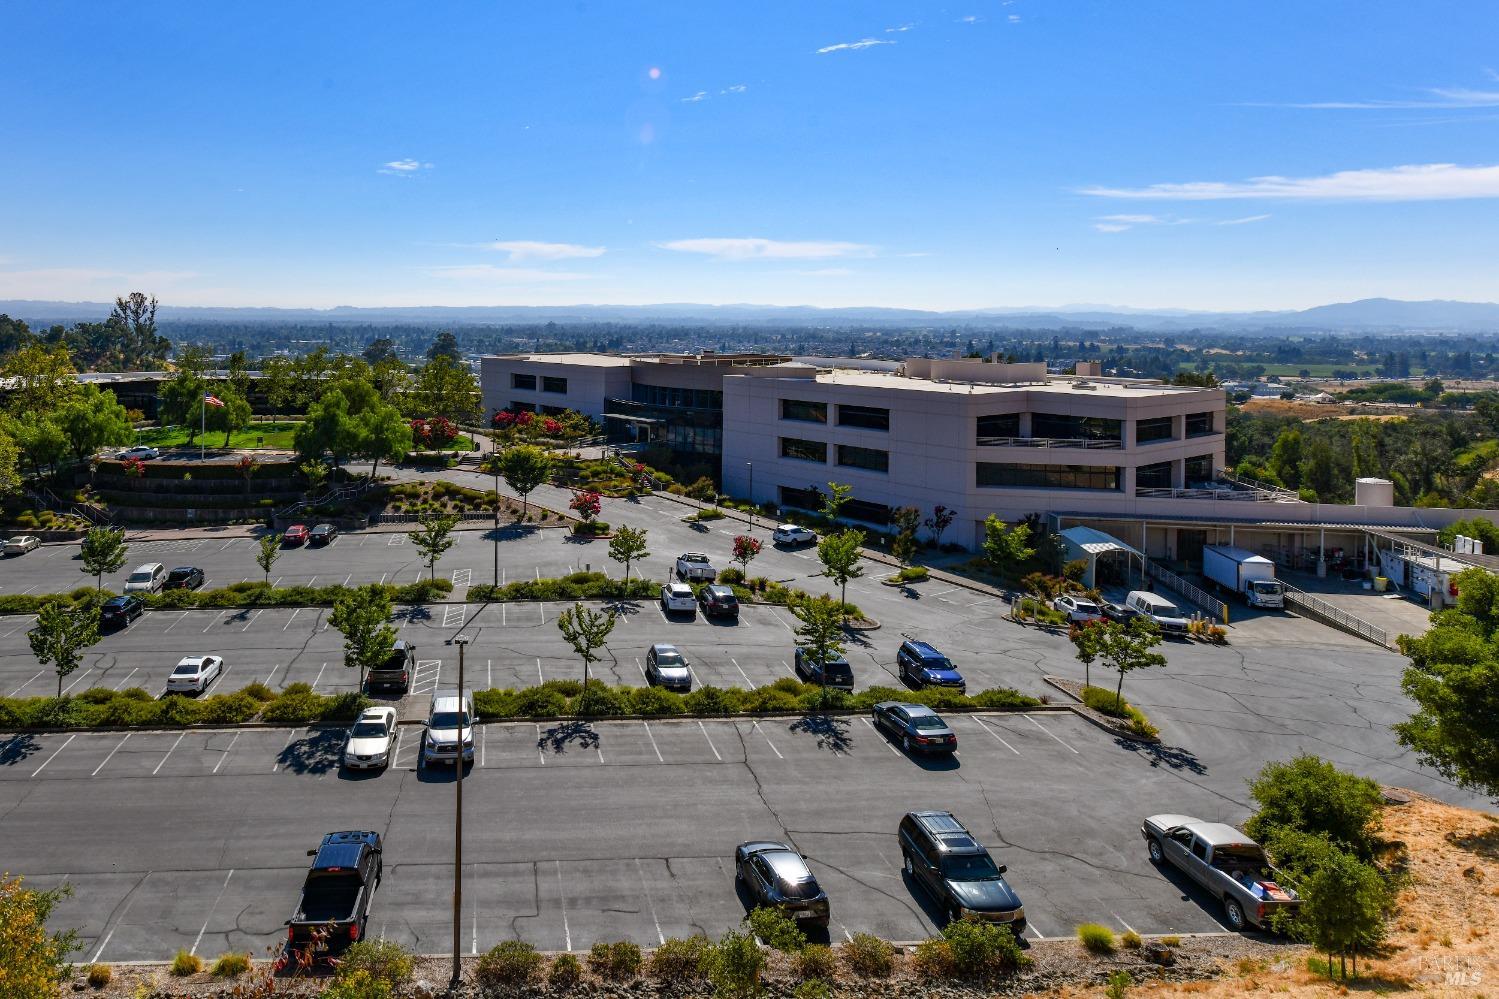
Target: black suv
[[946, 860], [117, 612], [921, 665], [395, 672], [718, 600], [837, 673], [184, 577]]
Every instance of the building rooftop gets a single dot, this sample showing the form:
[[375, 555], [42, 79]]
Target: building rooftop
[[1090, 386], [706, 358]]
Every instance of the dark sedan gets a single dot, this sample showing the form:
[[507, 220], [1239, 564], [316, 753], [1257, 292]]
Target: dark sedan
[[184, 577], [118, 612], [916, 727], [778, 877], [322, 534]]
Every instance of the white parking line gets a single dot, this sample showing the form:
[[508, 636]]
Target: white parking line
[[452, 615], [773, 749], [382, 577], [461, 577], [169, 754], [395, 539], [660, 937], [54, 754], [214, 621], [1047, 731], [25, 622], [710, 742], [543, 608], [653, 741], [567, 934], [252, 620], [539, 751], [75, 682], [350, 575], [293, 616], [483, 742], [175, 623], [120, 919], [319, 675], [642, 670], [882, 739], [227, 750], [23, 686], [111, 754], [289, 735], [996, 735], [741, 672], [219, 898], [226, 544]]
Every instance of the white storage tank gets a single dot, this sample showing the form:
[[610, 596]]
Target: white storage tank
[[1374, 492]]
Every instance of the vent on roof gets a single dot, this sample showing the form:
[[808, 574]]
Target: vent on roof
[[1084, 387]]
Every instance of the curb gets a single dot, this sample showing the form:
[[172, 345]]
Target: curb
[[1099, 719]]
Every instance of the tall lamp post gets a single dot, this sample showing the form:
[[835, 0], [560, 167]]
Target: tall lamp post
[[494, 466], [457, 980], [751, 466]]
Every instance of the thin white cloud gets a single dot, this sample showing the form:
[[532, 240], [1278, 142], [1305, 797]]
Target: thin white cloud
[[1123, 222], [1134, 219], [899, 29], [1438, 98], [753, 248], [1110, 226], [735, 88], [701, 95], [524, 249], [404, 168], [1013, 18], [489, 273], [1414, 182], [1243, 221], [826, 272], [970, 19], [863, 43]]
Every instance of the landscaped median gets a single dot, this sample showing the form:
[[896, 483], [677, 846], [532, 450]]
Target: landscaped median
[[134, 707], [254, 594]]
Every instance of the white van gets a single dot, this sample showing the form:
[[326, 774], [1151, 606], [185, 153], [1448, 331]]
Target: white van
[[147, 579], [1167, 616]]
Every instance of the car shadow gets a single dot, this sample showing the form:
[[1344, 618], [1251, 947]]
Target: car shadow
[[923, 898], [699, 526], [1171, 757], [559, 737], [316, 753], [830, 732], [18, 750], [359, 775], [934, 762], [721, 621], [440, 773], [1191, 891]]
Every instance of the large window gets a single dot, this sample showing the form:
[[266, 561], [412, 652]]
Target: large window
[[1009, 476], [519, 381], [552, 384], [807, 412], [1056, 426], [870, 513], [801, 499], [1199, 424], [1158, 429], [1199, 469], [676, 398], [1156, 476], [864, 417], [795, 447], [868, 458], [522, 407], [995, 427]]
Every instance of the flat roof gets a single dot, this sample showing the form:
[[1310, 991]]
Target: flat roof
[[1057, 385], [581, 358]]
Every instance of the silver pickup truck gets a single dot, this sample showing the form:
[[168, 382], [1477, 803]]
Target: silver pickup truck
[[1225, 862]]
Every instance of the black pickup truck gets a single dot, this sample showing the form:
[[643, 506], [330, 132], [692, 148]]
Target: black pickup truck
[[336, 896]]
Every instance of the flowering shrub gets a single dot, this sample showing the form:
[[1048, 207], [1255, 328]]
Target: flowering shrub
[[745, 549], [586, 504], [551, 427], [134, 467], [567, 425], [434, 434]]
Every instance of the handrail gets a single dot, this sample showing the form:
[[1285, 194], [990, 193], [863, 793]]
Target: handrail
[[337, 495], [1050, 442], [1336, 616], [1197, 595], [1230, 495], [1244, 480]]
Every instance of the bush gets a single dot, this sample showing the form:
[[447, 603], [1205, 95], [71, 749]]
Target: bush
[[1131, 940], [731, 576], [510, 962], [601, 700], [815, 961], [932, 959], [539, 702], [1096, 937], [982, 950], [617, 962], [1119, 983], [776, 929], [813, 988], [565, 972], [294, 708], [358, 985], [185, 964], [344, 707], [1310, 795], [228, 709], [734, 965], [495, 703], [678, 959], [99, 975], [230, 965], [383, 960], [868, 956], [655, 701], [713, 701], [1104, 702]]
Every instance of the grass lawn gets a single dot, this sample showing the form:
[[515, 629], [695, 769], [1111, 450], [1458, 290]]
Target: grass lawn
[[277, 435]]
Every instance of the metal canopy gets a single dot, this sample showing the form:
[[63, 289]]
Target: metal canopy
[[1094, 542]]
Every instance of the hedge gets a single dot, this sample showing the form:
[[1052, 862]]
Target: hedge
[[259, 594], [31, 603], [576, 586], [134, 707]]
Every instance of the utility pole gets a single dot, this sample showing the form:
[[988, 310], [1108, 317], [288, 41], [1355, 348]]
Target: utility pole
[[457, 980]]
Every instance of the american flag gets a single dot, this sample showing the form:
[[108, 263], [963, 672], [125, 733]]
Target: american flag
[[212, 400]]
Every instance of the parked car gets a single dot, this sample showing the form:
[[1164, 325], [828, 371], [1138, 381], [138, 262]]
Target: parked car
[[778, 877], [395, 672], [948, 862], [296, 534], [836, 673], [667, 667], [449, 724], [369, 741], [916, 727], [193, 674], [336, 895], [184, 577], [1079, 610], [1166, 615], [147, 579], [322, 534], [1119, 612], [921, 665], [792, 536], [678, 598], [21, 544], [118, 612], [140, 453], [718, 600], [1231, 866], [695, 568]]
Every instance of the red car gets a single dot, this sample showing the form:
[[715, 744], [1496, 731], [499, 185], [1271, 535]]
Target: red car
[[296, 534]]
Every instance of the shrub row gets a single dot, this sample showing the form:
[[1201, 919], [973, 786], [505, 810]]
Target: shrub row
[[758, 589], [136, 708], [567, 697], [576, 586], [260, 594], [1105, 703]]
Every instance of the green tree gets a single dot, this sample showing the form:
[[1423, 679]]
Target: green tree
[[833, 500], [134, 320], [840, 554], [61, 635], [524, 467], [103, 550], [1130, 647], [10, 458], [1311, 795], [1089, 639], [362, 616], [381, 349], [40, 439], [40, 380], [180, 400], [586, 631], [316, 473], [269, 552], [1285, 458], [434, 537], [628, 545], [445, 346], [381, 432], [906, 520], [233, 415], [1343, 908], [92, 418], [33, 961], [820, 629], [746, 549], [444, 387], [327, 429], [1006, 549]]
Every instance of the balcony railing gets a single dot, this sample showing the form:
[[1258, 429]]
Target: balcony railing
[[1224, 491], [1050, 442]]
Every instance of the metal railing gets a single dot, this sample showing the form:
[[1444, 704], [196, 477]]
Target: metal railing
[[1264, 487], [1337, 617], [335, 496], [1217, 608], [1232, 495], [1050, 442], [413, 518]]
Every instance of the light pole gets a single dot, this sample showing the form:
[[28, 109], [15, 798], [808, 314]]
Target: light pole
[[494, 466], [457, 980], [751, 466]]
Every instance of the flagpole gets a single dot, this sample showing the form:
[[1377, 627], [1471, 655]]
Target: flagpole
[[202, 423]]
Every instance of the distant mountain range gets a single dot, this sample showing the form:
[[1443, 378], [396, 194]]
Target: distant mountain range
[[1365, 315]]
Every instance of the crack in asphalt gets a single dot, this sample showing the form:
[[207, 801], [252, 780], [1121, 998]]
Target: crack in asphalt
[[535, 901]]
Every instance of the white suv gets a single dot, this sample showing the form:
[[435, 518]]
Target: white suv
[[677, 597], [449, 725]]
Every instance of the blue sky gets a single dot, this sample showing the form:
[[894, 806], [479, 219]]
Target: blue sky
[[984, 153]]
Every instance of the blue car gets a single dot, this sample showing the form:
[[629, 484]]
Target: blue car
[[920, 665]]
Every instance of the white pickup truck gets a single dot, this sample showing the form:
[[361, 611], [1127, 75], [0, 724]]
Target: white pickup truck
[[694, 567], [1225, 862]]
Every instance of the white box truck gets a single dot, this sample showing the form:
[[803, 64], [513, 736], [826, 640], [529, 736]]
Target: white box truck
[[1249, 575]]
